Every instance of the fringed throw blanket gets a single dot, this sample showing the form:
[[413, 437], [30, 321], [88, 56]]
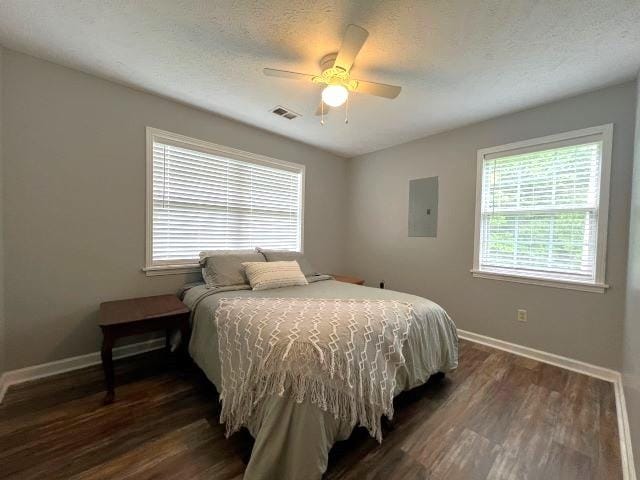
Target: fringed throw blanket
[[342, 355]]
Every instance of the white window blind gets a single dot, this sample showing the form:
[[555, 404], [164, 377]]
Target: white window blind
[[208, 201], [540, 211]]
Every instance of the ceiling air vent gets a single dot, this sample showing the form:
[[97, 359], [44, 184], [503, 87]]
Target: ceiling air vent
[[285, 112]]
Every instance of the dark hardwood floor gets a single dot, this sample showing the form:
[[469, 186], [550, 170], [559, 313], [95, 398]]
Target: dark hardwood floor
[[498, 416]]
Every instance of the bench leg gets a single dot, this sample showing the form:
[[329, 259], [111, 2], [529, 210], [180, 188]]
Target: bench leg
[[107, 365], [185, 336]]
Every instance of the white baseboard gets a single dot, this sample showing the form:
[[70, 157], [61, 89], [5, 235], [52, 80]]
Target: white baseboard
[[626, 452], [541, 356], [21, 375]]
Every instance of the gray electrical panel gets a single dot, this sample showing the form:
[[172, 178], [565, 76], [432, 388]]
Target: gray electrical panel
[[423, 207]]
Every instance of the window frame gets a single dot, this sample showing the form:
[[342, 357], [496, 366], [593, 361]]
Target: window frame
[[153, 135], [597, 286]]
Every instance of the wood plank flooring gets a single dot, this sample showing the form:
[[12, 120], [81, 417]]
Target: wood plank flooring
[[497, 417]]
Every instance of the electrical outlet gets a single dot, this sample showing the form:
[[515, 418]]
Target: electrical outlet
[[522, 315]]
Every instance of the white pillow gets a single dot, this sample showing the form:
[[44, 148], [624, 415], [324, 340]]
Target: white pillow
[[266, 275]]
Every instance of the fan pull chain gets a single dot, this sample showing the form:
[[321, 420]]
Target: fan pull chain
[[321, 112], [346, 112]]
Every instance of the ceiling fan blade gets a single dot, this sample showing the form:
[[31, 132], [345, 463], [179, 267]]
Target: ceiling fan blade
[[378, 89], [352, 43], [327, 109], [272, 72]]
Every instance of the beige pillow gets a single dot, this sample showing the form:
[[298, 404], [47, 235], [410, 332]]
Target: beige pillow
[[266, 275]]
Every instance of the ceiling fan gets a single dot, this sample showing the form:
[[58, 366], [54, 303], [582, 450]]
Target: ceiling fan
[[336, 76]]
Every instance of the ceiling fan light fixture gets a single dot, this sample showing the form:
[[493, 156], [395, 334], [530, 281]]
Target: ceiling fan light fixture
[[334, 95], [335, 77]]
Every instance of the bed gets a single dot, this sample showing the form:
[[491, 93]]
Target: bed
[[293, 436]]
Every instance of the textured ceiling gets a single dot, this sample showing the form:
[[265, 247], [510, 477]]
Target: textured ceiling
[[458, 61]]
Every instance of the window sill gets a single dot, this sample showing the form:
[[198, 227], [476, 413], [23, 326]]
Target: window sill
[[171, 269], [566, 284]]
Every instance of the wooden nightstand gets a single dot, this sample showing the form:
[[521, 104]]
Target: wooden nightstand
[[123, 318], [348, 279]]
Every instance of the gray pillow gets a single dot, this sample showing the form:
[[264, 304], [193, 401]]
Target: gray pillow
[[287, 256], [223, 268]]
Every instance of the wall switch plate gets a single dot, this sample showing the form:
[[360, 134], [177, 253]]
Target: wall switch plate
[[522, 315]]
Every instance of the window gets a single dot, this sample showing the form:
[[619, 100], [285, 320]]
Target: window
[[202, 196], [541, 210]]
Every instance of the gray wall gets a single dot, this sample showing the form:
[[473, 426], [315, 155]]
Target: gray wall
[[2, 320], [74, 213], [580, 325], [74, 183], [631, 351]]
